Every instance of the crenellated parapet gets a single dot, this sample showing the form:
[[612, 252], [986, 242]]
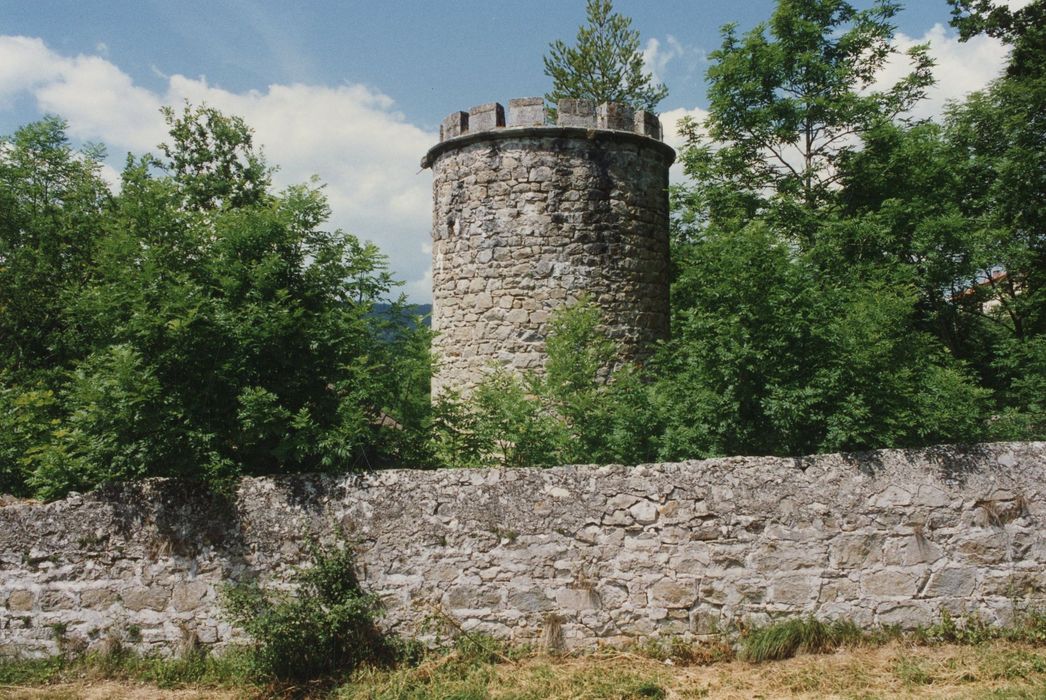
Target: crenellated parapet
[[531, 112]]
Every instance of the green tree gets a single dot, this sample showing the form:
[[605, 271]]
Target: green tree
[[53, 204], [786, 100], [212, 327], [212, 157], [957, 210], [816, 258], [770, 356], [605, 64], [1024, 28]]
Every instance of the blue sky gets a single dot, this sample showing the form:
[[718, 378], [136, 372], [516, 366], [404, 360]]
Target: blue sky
[[353, 91]]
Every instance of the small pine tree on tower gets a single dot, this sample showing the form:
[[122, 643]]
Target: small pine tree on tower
[[605, 65]]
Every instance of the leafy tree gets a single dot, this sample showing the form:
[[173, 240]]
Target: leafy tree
[[52, 208], [958, 210], [817, 262], [1024, 28], [605, 64], [786, 100], [212, 157], [770, 357], [215, 329]]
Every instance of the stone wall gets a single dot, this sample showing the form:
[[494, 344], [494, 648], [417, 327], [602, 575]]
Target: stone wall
[[527, 217], [606, 553]]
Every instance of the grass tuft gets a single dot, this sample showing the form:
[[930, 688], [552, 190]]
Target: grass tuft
[[783, 640]]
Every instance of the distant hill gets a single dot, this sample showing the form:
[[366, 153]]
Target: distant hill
[[423, 310]]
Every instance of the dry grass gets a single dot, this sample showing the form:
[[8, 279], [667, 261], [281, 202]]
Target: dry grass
[[991, 670], [106, 690], [998, 669]]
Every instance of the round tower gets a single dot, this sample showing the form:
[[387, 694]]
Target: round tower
[[528, 217]]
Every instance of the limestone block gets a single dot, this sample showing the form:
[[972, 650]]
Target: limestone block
[[578, 599], [890, 583], [1026, 584], [644, 512], [910, 550], [647, 124], [668, 593], [20, 601], [527, 111], [141, 598], [529, 601], [188, 596], [794, 590], [984, 546], [57, 600], [486, 117], [455, 124], [904, 614], [95, 598], [471, 598], [705, 622], [616, 116], [951, 582], [787, 556], [839, 589], [571, 112]]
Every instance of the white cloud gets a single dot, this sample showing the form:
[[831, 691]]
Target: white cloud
[[687, 62], [351, 136], [24, 63], [962, 67], [672, 136], [656, 57]]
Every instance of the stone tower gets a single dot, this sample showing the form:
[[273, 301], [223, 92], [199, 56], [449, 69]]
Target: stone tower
[[529, 216]]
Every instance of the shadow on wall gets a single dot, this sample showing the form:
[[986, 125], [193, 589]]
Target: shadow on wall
[[954, 462]]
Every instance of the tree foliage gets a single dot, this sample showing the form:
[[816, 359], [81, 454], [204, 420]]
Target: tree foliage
[[877, 289], [587, 407], [326, 627], [604, 65], [786, 101], [197, 324], [1024, 28]]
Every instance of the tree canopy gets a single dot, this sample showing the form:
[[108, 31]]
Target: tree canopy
[[604, 65], [787, 101], [195, 324]]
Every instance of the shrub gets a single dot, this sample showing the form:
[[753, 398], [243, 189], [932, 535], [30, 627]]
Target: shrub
[[326, 627], [586, 408]]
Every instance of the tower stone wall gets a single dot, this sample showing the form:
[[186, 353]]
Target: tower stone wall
[[528, 217]]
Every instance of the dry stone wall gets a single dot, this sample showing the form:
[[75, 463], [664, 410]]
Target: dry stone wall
[[604, 553], [527, 217]]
